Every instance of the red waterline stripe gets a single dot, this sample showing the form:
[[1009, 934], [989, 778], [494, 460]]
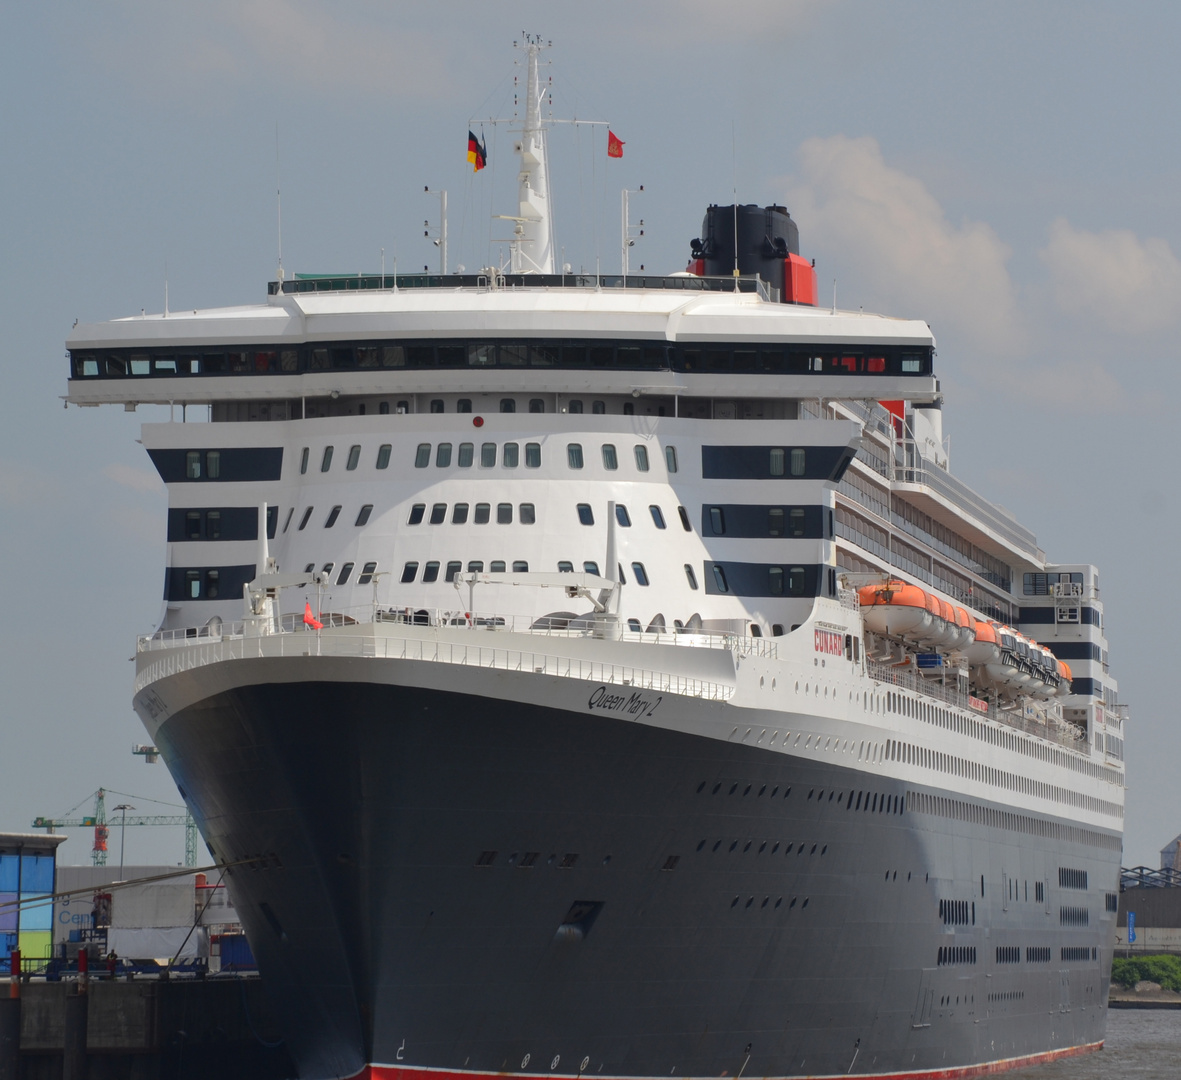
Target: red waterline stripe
[[962, 1072]]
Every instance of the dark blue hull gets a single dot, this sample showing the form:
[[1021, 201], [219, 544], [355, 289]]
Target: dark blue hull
[[460, 883]]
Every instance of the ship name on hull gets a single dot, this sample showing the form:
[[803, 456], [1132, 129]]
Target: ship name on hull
[[628, 704]]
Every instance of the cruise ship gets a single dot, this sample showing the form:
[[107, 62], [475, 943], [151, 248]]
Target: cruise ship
[[607, 675]]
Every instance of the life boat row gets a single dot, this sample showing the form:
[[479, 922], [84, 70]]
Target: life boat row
[[1006, 658]]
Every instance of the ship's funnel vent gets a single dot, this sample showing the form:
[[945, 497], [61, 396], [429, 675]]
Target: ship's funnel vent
[[766, 237]]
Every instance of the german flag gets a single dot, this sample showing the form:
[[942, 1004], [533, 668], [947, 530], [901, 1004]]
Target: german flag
[[476, 153]]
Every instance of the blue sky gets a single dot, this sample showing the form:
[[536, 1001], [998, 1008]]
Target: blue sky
[[1007, 171]]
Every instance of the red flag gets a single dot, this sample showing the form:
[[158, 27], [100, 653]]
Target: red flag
[[614, 144], [310, 619]]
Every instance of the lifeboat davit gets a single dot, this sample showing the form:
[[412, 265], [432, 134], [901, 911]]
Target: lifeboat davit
[[1006, 669], [896, 609], [985, 648]]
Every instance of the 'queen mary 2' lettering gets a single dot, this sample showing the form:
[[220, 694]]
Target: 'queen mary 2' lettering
[[829, 642]]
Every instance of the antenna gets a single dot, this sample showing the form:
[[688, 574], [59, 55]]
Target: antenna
[[279, 203], [441, 239], [166, 288], [734, 181], [629, 234]]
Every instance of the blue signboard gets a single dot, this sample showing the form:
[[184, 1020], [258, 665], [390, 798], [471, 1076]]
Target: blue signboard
[[930, 660], [1131, 927]]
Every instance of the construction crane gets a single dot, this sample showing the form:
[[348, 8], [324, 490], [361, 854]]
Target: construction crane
[[98, 820]]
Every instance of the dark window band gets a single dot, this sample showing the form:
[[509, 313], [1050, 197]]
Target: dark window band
[[182, 583], [218, 523], [237, 464], [764, 579], [775, 462], [744, 521]]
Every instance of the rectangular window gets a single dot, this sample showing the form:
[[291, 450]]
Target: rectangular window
[[520, 566], [487, 455], [333, 514], [367, 572], [670, 458], [512, 455], [586, 516], [622, 516], [610, 460], [684, 516], [303, 521], [193, 584], [326, 570], [496, 566], [776, 463], [483, 512], [797, 462], [565, 567], [354, 457], [590, 568], [574, 455], [409, 572], [422, 456], [774, 521], [326, 460], [438, 513], [657, 516], [303, 460], [720, 578], [532, 455], [443, 455], [527, 514], [459, 514], [717, 521], [287, 521], [213, 464], [193, 465], [436, 405], [574, 406], [453, 571], [640, 574], [508, 404], [642, 458], [504, 513], [430, 572], [463, 405], [775, 580], [798, 526], [475, 567], [599, 408], [383, 456], [363, 515], [417, 512], [345, 571], [690, 576], [193, 525], [536, 405], [212, 584], [466, 453]]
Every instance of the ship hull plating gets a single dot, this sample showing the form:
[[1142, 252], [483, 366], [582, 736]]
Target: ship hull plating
[[446, 881]]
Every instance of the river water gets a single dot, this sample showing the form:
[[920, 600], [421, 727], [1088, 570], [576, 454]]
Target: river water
[[1142, 1044]]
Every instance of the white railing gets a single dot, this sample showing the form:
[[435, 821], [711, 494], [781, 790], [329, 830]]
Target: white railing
[[424, 648], [575, 629]]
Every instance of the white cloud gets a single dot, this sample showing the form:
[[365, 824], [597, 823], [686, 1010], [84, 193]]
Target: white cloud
[[908, 257], [1127, 284], [141, 480]]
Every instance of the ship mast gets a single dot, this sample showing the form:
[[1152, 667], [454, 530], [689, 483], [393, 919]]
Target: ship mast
[[533, 248]]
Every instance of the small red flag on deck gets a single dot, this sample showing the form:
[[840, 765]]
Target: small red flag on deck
[[614, 144], [476, 152], [310, 619]]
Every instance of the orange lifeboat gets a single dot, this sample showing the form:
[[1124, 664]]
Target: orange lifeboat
[[985, 648], [1066, 678], [942, 631], [965, 629], [895, 609]]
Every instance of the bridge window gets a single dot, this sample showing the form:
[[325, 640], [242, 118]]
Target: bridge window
[[212, 584], [599, 408], [717, 521]]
